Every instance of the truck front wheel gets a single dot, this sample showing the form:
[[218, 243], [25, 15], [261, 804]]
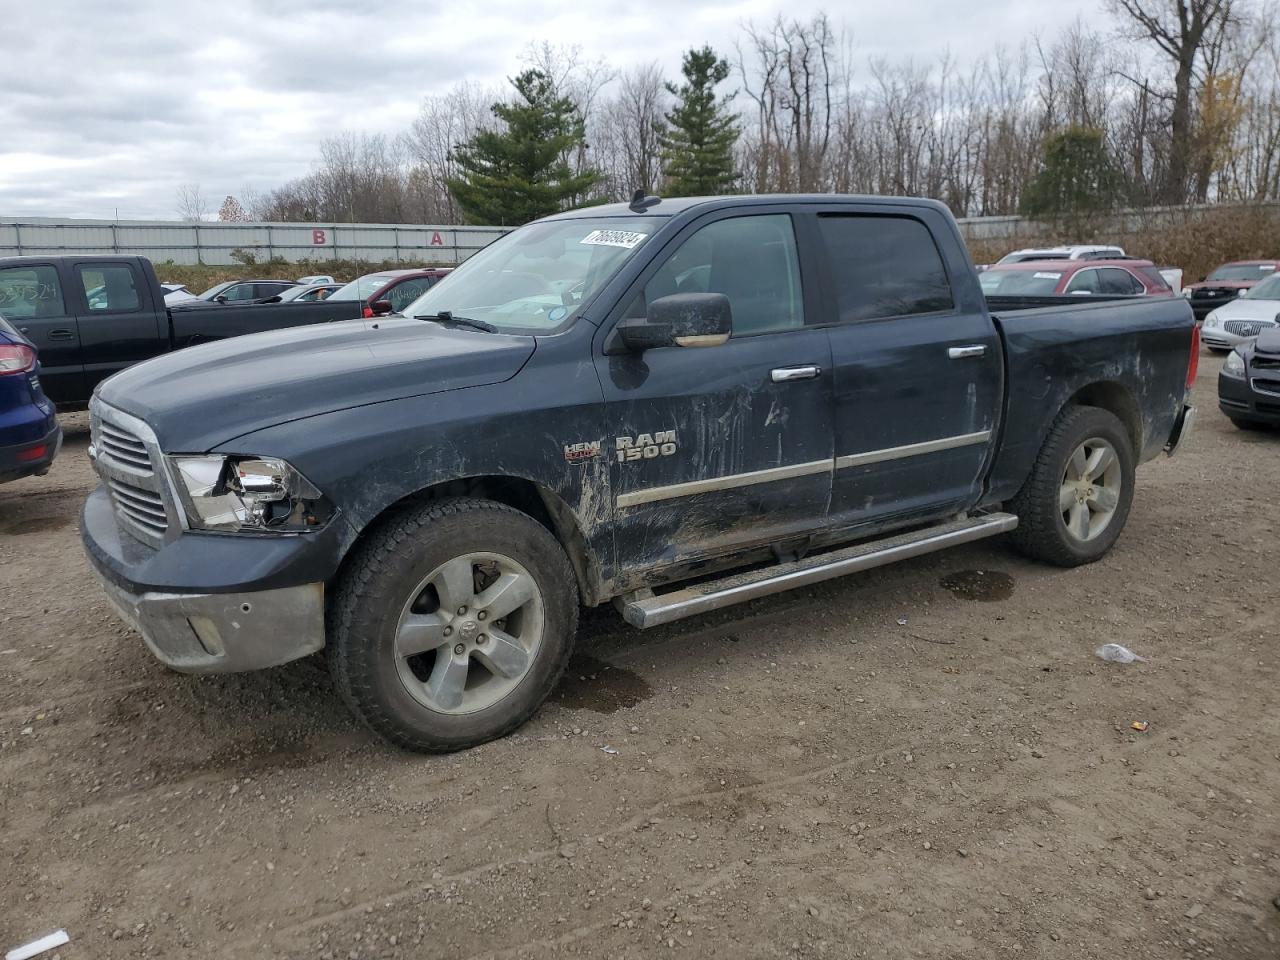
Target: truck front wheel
[[452, 624], [1076, 501]]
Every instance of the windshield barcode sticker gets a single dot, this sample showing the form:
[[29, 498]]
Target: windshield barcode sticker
[[1048, 276], [613, 238]]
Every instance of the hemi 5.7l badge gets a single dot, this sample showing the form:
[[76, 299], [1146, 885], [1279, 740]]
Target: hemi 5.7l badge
[[577, 452]]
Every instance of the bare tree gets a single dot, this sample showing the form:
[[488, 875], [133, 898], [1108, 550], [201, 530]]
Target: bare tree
[[192, 203], [626, 133]]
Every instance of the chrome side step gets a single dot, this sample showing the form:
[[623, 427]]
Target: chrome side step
[[654, 610]]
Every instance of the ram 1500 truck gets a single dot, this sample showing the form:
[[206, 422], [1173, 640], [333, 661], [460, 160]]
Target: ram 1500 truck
[[91, 316], [674, 405]]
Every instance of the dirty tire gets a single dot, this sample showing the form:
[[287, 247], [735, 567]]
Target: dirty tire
[[1042, 533], [365, 615]]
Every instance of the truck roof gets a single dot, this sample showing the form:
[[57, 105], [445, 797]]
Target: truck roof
[[672, 206]]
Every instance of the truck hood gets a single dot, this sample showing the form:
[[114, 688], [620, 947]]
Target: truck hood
[[197, 398]]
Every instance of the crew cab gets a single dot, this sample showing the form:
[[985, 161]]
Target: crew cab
[[670, 405], [89, 317]]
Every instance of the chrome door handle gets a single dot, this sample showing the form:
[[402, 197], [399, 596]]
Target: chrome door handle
[[959, 353], [784, 374]]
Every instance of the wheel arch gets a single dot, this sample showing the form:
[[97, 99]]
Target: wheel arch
[[1117, 400], [529, 497]]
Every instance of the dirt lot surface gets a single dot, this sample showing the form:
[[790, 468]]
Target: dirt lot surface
[[924, 761]]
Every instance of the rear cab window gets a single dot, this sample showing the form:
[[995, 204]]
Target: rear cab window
[[884, 266]]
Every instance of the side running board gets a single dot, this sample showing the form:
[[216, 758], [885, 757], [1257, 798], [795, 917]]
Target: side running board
[[657, 609]]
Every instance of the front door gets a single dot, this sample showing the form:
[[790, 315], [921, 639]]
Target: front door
[[32, 299], [720, 448], [918, 370]]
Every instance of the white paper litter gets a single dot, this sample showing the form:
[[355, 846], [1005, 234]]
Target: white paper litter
[[37, 947]]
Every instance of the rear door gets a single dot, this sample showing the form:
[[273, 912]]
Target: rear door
[[720, 448], [116, 319], [33, 299], [917, 366]]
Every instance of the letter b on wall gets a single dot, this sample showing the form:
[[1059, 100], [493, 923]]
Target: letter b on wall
[[319, 238]]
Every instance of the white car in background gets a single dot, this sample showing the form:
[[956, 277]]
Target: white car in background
[[1078, 251], [1243, 318], [176, 293], [318, 278]]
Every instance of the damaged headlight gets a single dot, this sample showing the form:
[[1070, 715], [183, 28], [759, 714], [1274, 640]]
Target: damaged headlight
[[256, 494]]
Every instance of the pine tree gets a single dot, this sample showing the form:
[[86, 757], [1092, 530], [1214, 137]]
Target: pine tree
[[697, 149], [1077, 177], [521, 172]]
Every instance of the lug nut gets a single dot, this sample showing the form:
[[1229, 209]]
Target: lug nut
[[459, 649], [448, 631], [481, 639], [481, 615], [462, 611]]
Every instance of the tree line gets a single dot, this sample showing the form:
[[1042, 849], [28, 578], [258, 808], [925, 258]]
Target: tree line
[[1180, 104]]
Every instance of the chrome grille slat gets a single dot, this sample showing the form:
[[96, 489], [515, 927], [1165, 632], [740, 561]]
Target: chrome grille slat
[[128, 459], [1246, 328]]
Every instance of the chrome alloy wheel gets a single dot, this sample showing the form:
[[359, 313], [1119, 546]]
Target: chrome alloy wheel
[[1090, 492], [469, 633]]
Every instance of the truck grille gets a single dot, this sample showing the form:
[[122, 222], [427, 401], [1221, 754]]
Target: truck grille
[[1263, 361], [1246, 328], [127, 458], [1267, 386]]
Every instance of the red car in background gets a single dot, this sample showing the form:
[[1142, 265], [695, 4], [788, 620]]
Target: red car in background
[[399, 288], [1226, 283], [1048, 278]]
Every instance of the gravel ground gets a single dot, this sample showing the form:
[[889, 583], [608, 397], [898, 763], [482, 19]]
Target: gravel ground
[[806, 776]]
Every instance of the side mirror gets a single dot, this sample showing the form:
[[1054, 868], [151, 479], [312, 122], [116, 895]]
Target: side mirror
[[220, 298], [381, 307], [680, 320]]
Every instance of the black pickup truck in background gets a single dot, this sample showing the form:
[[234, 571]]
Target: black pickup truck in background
[[674, 406], [92, 316]]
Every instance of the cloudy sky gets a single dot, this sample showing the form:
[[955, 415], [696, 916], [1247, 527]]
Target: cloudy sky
[[107, 108]]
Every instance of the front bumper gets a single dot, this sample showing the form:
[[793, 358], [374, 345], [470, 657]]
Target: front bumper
[[1240, 401], [215, 603], [225, 632]]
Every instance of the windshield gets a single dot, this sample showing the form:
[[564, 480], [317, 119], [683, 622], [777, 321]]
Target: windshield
[[1268, 289], [1018, 283], [1243, 271], [535, 278], [362, 288]]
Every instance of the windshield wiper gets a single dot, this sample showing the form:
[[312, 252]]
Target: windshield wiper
[[446, 319]]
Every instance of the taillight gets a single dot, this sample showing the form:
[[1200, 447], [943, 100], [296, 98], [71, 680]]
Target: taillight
[[16, 358], [1193, 365]]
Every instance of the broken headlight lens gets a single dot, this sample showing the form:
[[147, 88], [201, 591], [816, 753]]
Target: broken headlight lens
[[253, 494]]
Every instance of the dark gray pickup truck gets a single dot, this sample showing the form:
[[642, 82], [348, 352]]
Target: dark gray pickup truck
[[91, 316], [673, 405]]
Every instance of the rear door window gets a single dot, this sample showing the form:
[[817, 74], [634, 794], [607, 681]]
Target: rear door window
[[110, 288], [28, 293], [884, 267], [1117, 282], [1084, 282]]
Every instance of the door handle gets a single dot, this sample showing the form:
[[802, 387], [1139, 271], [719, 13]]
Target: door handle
[[959, 353], [785, 374], [61, 334]]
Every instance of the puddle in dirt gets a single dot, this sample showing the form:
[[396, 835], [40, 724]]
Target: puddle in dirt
[[16, 528], [984, 585], [592, 684]]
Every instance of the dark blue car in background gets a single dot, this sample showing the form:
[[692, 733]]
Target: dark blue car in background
[[29, 432]]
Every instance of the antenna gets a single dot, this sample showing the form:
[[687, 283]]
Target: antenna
[[640, 203]]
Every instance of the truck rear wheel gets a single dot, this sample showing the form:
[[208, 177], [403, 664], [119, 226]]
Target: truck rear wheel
[[452, 624], [1074, 505]]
